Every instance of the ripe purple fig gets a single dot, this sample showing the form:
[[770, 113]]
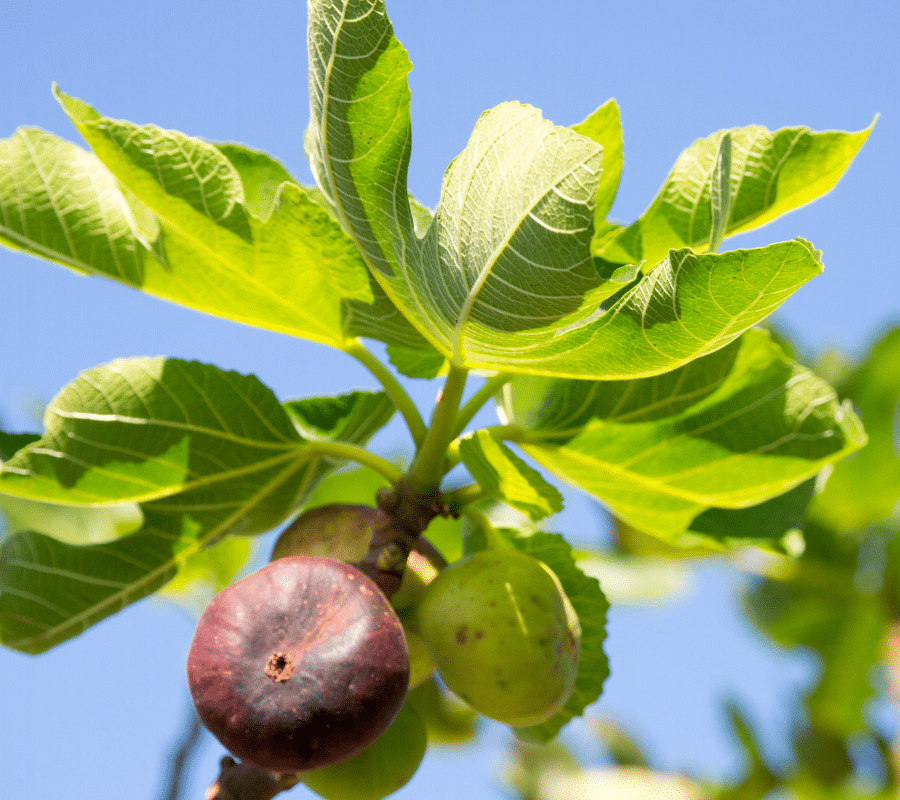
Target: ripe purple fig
[[300, 665]]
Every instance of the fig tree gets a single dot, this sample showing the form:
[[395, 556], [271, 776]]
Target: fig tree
[[301, 665], [379, 770], [503, 635]]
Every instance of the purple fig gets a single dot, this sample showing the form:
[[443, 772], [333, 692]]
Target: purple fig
[[300, 665]]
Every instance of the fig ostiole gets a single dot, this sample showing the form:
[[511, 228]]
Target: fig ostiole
[[503, 635], [381, 769], [300, 665]]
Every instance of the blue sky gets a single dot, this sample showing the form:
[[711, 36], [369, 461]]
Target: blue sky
[[94, 717]]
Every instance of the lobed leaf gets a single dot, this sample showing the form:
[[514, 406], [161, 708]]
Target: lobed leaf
[[730, 430], [242, 466], [358, 141], [503, 475], [605, 127], [772, 172]]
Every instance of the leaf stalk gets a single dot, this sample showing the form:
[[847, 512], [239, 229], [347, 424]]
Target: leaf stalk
[[392, 387]]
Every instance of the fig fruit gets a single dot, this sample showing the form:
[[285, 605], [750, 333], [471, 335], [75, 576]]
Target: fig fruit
[[300, 665], [503, 635], [379, 770], [339, 530], [422, 566]]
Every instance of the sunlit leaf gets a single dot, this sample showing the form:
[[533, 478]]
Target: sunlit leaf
[[730, 430], [503, 475], [772, 172]]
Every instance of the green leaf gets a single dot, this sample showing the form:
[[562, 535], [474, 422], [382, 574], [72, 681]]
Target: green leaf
[[59, 202], [772, 172], [141, 429], [223, 427], [421, 363], [202, 576], [359, 137], [503, 475], [51, 591], [80, 525], [591, 607], [729, 430], [867, 487], [354, 417], [11, 442], [605, 127], [238, 239]]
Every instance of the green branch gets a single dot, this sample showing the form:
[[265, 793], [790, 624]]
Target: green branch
[[393, 388], [425, 473], [477, 400]]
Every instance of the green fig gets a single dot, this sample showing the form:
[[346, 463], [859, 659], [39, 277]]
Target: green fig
[[421, 667], [422, 567], [503, 635], [381, 769]]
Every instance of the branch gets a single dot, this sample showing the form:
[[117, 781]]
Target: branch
[[243, 782]]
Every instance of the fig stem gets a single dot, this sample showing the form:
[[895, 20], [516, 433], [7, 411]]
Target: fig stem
[[475, 403], [392, 386], [458, 499], [243, 782], [424, 475]]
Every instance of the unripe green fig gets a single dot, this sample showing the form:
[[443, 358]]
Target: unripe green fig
[[379, 770], [503, 635], [422, 566], [339, 530], [300, 665], [421, 667]]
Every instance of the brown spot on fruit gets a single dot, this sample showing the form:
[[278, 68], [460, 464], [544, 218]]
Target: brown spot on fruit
[[462, 635]]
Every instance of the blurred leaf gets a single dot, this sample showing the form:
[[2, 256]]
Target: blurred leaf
[[866, 487], [448, 720], [643, 581], [202, 576]]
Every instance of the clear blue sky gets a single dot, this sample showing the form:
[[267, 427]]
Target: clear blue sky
[[93, 718]]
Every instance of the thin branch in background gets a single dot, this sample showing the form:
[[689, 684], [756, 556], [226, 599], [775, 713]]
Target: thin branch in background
[[187, 746]]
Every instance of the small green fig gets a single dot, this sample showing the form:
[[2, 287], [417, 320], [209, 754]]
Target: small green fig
[[422, 567], [503, 635], [421, 667], [379, 770]]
